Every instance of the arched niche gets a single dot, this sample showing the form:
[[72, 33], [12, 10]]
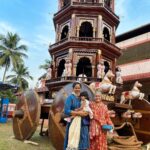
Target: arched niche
[[87, 1], [107, 66], [106, 34], [108, 3], [86, 29], [66, 2], [61, 67], [65, 31], [84, 66]]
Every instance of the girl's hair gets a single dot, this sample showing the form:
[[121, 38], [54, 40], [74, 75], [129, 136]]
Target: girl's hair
[[85, 94], [75, 83]]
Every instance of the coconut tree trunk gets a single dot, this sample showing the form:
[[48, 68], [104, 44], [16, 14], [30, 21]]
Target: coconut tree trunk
[[5, 73]]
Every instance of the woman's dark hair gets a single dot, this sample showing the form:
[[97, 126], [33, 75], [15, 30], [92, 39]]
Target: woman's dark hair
[[85, 94], [75, 83]]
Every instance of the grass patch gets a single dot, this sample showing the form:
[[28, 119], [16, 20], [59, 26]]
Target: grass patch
[[9, 143]]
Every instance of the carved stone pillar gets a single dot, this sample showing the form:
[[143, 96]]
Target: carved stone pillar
[[113, 5], [101, 1], [59, 36], [114, 65], [94, 31], [74, 63], [56, 38], [93, 71], [99, 29], [78, 28], [71, 59], [99, 55], [74, 70], [113, 35], [59, 4], [73, 27], [53, 67], [70, 53]]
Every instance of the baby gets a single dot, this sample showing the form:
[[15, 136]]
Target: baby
[[85, 103], [84, 106]]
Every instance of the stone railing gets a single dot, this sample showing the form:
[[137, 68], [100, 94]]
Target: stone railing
[[58, 43], [95, 4], [73, 78], [91, 39], [87, 4], [76, 39]]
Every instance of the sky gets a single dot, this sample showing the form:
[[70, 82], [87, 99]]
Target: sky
[[32, 20]]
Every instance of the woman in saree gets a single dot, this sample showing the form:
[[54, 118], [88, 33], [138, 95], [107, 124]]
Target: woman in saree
[[80, 140], [98, 139]]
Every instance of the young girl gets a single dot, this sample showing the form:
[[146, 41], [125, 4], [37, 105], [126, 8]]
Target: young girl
[[84, 106], [85, 103]]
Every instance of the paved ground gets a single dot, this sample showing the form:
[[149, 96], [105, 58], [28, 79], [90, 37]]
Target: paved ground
[[9, 143]]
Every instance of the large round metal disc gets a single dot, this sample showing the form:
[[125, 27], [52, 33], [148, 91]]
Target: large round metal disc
[[25, 127], [64, 92], [55, 128]]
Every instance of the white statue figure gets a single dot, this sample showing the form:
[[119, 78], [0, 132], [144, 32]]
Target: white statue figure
[[126, 114], [100, 70], [106, 85], [119, 79], [82, 77], [68, 66], [63, 75], [49, 73], [133, 94], [42, 83]]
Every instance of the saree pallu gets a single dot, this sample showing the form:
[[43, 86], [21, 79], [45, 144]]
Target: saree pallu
[[74, 134], [72, 103]]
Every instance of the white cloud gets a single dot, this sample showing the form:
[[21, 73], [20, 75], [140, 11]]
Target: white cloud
[[39, 40], [6, 27], [120, 8], [45, 40]]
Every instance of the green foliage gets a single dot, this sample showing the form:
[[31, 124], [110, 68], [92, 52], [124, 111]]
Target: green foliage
[[11, 53], [19, 76], [9, 94], [46, 65]]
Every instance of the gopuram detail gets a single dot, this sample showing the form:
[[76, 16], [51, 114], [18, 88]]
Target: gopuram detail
[[85, 37], [85, 51]]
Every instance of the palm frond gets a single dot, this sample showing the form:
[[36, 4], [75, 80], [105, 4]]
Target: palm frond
[[21, 47], [46, 65], [11, 51]]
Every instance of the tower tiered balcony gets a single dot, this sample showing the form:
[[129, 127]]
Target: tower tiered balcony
[[100, 5], [85, 34], [83, 42]]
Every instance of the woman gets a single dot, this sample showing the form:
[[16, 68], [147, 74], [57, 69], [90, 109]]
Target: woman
[[98, 139], [72, 103]]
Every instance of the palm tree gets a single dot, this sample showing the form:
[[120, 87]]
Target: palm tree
[[21, 74], [11, 53], [46, 65]]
